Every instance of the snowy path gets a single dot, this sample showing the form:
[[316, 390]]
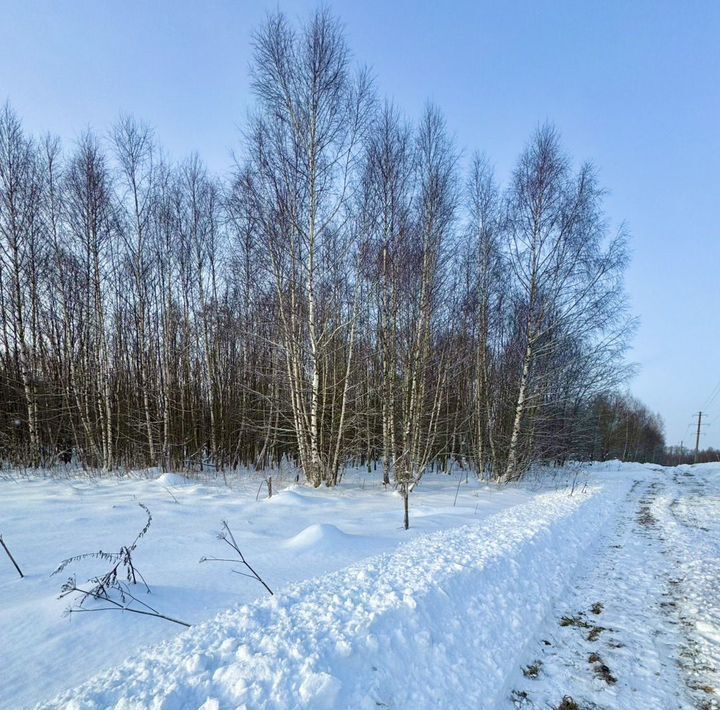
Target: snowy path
[[641, 626], [436, 623], [691, 526]]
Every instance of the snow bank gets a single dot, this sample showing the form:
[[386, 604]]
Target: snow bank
[[437, 622]]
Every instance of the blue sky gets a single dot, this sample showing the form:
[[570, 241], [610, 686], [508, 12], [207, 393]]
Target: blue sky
[[632, 85]]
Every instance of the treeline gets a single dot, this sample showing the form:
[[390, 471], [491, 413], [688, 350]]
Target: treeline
[[677, 455], [627, 430], [346, 294]]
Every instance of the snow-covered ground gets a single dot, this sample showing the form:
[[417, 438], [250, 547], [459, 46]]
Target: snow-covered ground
[[605, 592], [640, 625]]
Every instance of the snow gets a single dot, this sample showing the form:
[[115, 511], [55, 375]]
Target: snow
[[173, 479], [365, 614], [45, 519], [368, 635], [322, 537], [655, 575]]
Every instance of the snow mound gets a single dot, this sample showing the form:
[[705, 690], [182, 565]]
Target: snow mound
[[173, 479], [292, 498], [436, 622], [323, 536]]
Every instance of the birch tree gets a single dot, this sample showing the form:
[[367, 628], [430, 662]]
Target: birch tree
[[565, 270], [305, 141]]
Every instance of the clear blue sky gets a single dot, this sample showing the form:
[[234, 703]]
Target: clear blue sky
[[633, 85]]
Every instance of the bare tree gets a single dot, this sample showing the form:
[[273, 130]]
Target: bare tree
[[386, 207], [423, 366], [21, 252], [565, 273], [304, 144], [339, 300], [485, 286], [134, 151], [90, 224]]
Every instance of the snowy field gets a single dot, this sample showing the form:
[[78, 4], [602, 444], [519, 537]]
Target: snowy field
[[602, 594]]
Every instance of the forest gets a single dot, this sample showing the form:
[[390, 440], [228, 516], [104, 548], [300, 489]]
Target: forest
[[356, 291]]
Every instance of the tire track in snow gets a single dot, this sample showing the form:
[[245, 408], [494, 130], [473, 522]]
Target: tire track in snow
[[652, 586], [691, 534]]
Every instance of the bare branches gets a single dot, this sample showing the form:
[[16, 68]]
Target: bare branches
[[122, 566], [113, 587], [227, 537], [126, 599]]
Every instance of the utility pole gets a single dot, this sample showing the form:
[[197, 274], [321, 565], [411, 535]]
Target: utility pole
[[697, 437]]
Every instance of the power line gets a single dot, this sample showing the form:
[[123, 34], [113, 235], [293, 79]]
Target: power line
[[712, 396]]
